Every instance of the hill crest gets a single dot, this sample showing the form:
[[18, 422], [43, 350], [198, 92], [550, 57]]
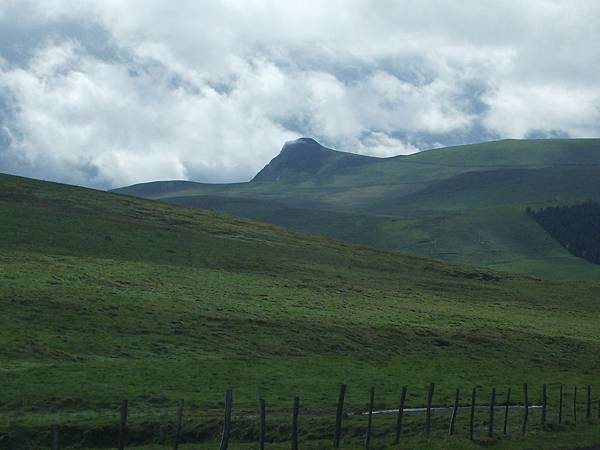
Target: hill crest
[[304, 158]]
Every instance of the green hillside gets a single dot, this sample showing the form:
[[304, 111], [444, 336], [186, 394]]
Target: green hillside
[[463, 204], [106, 297], [305, 158]]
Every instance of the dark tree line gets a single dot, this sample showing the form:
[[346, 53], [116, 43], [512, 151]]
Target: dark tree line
[[575, 227]]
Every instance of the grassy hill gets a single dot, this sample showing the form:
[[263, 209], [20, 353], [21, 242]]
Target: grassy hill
[[305, 158], [463, 204], [106, 297]]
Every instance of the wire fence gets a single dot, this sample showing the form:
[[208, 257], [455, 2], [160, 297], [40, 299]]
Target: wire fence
[[509, 411]]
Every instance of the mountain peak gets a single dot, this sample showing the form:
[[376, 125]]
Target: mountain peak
[[305, 145], [301, 143], [304, 158]]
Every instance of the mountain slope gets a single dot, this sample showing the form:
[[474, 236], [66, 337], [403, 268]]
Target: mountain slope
[[106, 297], [436, 164], [305, 158], [434, 203], [507, 186]]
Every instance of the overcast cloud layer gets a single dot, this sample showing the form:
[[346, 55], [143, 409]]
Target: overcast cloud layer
[[109, 92]]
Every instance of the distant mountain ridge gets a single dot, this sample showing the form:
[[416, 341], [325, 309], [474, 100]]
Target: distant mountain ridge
[[157, 188], [464, 203], [305, 157]]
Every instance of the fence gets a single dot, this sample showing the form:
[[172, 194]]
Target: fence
[[491, 407]]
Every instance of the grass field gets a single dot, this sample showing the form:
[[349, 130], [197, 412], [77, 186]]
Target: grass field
[[106, 297], [463, 204]]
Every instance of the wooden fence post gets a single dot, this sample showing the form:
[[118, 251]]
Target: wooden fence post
[[472, 417], [123, 427], [525, 409], [544, 403], [588, 414], [428, 414], [506, 408], [227, 420], [338, 417], [575, 404], [492, 406], [560, 404], [295, 411], [370, 420], [454, 412], [263, 424], [178, 419], [55, 438], [401, 414]]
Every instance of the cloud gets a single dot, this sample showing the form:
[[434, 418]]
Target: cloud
[[88, 121], [106, 93], [543, 106]]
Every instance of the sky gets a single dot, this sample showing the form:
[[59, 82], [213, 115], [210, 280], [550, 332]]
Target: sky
[[106, 93]]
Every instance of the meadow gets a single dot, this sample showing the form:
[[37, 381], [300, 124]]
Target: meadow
[[462, 204], [106, 297]]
